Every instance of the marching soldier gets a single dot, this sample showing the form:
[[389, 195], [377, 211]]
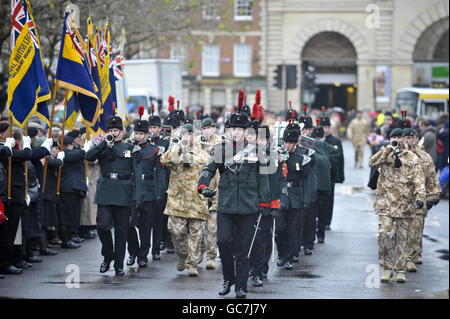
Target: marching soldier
[[338, 174], [147, 180], [358, 131], [160, 233], [242, 191], [325, 167], [210, 236], [433, 190], [187, 211], [114, 193], [400, 192]]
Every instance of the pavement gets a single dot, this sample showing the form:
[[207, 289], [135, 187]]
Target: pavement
[[344, 267]]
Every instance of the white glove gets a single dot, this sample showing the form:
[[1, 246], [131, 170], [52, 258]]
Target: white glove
[[28, 200], [87, 146], [61, 156], [48, 144], [26, 142], [10, 142]]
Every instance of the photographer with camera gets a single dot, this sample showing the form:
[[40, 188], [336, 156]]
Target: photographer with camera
[[187, 210], [114, 192], [400, 192]]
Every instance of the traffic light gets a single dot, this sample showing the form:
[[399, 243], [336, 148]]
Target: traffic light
[[309, 77], [278, 78], [291, 74]]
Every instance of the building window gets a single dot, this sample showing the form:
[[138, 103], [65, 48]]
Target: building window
[[243, 10], [196, 97], [242, 60], [178, 52], [209, 10], [211, 60]]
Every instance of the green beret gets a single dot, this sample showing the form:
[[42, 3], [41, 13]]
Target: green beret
[[208, 122], [408, 132], [188, 127], [396, 132]]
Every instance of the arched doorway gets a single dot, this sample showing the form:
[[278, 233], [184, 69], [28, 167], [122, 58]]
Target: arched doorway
[[431, 56], [333, 59]]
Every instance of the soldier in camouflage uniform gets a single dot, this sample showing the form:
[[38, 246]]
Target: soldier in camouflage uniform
[[400, 192], [358, 131], [186, 209], [433, 190], [209, 242]]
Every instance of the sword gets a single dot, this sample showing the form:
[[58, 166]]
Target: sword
[[254, 235]]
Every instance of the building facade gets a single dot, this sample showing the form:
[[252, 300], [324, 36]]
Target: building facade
[[362, 51], [220, 62]]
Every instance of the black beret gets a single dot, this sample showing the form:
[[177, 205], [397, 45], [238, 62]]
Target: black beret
[[3, 127], [32, 132], [68, 140], [74, 133]]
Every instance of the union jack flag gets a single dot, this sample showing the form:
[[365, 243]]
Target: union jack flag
[[117, 67], [20, 16], [77, 45]]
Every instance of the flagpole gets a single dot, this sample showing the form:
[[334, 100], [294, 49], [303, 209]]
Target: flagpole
[[62, 140], [50, 132], [10, 160], [26, 164], [88, 138]]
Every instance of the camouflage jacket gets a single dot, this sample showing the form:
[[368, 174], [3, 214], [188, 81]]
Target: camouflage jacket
[[215, 181], [432, 186], [358, 131], [398, 189], [182, 197]]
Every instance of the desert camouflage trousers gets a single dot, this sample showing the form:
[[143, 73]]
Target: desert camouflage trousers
[[209, 241], [393, 235], [415, 237], [187, 236], [359, 152]]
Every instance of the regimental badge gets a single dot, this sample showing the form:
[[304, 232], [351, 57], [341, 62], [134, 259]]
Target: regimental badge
[[336, 147], [297, 166], [127, 153]]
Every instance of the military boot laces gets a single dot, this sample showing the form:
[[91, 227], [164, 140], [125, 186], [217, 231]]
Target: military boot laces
[[386, 276]]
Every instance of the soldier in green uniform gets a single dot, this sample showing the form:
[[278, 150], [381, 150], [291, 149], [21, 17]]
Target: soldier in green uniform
[[325, 167], [148, 181], [295, 176], [337, 175], [114, 193], [242, 191]]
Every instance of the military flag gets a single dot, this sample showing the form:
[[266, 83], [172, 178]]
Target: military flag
[[28, 88], [74, 73]]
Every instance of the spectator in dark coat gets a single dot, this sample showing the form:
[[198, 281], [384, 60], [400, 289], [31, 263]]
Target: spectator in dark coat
[[428, 133]]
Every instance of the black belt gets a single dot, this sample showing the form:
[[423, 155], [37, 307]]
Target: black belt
[[293, 184], [147, 177], [116, 176]]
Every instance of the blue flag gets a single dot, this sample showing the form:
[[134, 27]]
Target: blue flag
[[28, 88], [73, 72]]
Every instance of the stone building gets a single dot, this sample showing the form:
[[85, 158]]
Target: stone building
[[359, 48]]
